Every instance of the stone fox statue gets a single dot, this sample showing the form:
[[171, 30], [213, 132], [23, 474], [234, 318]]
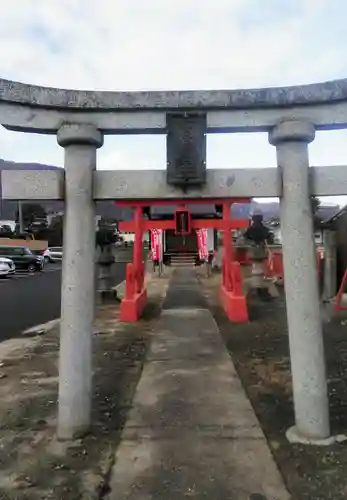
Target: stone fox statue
[[257, 233]]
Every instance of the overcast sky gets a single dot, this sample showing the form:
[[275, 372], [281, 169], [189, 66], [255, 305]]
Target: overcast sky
[[178, 44]]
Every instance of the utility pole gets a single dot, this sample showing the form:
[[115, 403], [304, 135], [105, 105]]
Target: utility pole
[[1, 204], [20, 217]]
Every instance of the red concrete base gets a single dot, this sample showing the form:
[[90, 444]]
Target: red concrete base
[[131, 309], [235, 306], [338, 306]]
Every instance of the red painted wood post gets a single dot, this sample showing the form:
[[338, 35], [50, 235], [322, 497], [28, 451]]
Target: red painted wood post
[[237, 279], [135, 293], [338, 306], [137, 256], [130, 288], [227, 256], [231, 293]]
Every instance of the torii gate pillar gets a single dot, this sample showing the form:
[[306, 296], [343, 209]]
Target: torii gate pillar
[[231, 290], [78, 280], [135, 292], [291, 139]]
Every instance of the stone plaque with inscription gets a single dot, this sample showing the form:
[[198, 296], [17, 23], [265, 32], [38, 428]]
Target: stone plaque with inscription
[[186, 149]]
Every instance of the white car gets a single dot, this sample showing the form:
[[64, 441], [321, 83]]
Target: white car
[[7, 267], [53, 254]]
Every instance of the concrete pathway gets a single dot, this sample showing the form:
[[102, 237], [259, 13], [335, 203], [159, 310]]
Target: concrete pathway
[[192, 432]]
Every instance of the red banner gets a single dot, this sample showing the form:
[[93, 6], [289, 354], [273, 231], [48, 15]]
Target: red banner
[[202, 243], [155, 243]]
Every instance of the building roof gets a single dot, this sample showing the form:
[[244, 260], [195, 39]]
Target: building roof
[[335, 217], [163, 210], [238, 210], [328, 212]]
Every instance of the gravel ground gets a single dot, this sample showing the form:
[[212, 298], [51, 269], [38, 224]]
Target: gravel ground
[[33, 465], [260, 352]]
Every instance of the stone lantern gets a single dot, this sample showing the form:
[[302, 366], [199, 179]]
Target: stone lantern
[[105, 239], [257, 236]]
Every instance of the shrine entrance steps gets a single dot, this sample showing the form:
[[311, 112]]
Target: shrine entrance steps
[[182, 260], [192, 432]]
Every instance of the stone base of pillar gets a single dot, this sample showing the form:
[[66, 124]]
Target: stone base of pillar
[[106, 296], [72, 434], [327, 311], [272, 289], [258, 282], [294, 437], [131, 309], [235, 306], [268, 286]]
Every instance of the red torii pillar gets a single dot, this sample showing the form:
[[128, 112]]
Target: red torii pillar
[[231, 292], [135, 292]]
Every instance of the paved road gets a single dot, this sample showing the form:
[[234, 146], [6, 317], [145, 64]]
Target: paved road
[[28, 300]]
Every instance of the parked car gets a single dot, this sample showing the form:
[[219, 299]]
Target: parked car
[[7, 267], [53, 254], [22, 258]]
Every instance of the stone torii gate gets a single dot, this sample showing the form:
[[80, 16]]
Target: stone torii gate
[[80, 119]]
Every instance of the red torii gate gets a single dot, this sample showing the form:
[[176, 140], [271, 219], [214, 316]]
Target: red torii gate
[[231, 293]]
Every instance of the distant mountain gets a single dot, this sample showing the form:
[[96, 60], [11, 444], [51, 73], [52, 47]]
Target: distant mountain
[[12, 165], [8, 208], [270, 210]]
